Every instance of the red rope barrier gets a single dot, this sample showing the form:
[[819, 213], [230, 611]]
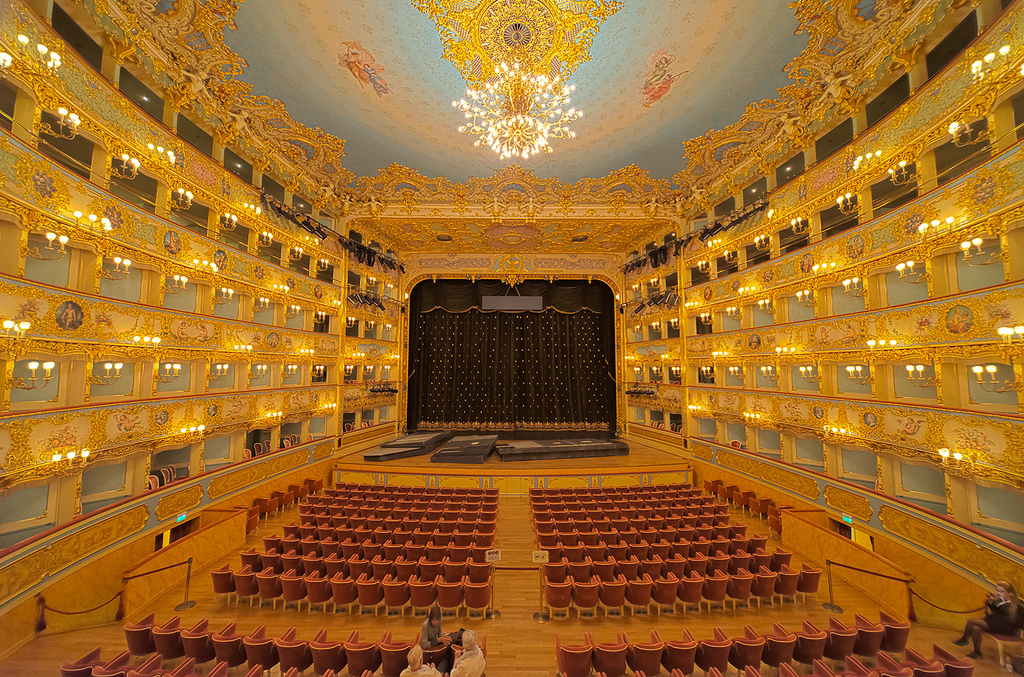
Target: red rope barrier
[[42, 607], [873, 573], [154, 571], [951, 611]]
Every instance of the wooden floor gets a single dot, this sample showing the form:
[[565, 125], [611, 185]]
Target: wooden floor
[[516, 645]]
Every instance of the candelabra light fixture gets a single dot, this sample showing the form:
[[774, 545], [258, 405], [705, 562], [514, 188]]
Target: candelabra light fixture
[[319, 370], [966, 133], [223, 295], [253, 208], [104, 222], [882, 343], [70, 457], [836, 433], [707, 371], [282, 288], [178, 286], [243, 347], [261, 303], [209, 265], [305, 351], [977, 259], [810, 373], [67, 125], [805, 298], [320, 317], [295, 253], [736, 371], [984, 65], [770, 372], [324, 264], [228, 221], [902, 174], [955, 461], [915, 375], [674, 323], [33, 379], [703, 265], [146, 340], [766, 306], [752, 416], [704, 318], [127, 168], [819, 268], [853, 286], [859, 374], [934, 226], [119, 271], [257, 371], [165, 155], [762, 242], [192, 432], [289, 370], [292, 311], [111, 375], [730, 255], [744, 290], [866, 159], [799, 225], [847, 203], [732, 312], [54, 250], [275, 415], [991, 383], [218, 371], [15, 329], [1008, 334], [181, 198], [908, 274], [170, 372], [265, 238]]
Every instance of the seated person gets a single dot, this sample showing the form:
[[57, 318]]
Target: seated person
[[470, 662], [416, 667], [433, 636]]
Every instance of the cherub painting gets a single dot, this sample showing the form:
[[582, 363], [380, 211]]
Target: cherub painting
[[657, 80], [363, 67]]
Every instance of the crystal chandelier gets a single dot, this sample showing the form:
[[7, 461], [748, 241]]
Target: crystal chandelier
[[516, 112]]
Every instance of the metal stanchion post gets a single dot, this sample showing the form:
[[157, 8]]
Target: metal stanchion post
[[831, 605], [541, 616], [492, 613], [188, 603]]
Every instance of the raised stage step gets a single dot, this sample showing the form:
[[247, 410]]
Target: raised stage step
[[466, 449], [538, 450], [419, 444]]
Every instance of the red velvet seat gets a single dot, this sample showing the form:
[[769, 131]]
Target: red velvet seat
[[327, 655], [167, 638], [645, 657], [139, 636], [613, 595], [260, 650], [293, 653], [361, 656], [810, 644], [609, 658], [573, 660], [778, 648], [746, 651], [678, 655], [713, 653]]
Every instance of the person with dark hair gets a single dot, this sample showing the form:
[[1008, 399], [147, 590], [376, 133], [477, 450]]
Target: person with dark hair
[[1001, 617], [433, 636]]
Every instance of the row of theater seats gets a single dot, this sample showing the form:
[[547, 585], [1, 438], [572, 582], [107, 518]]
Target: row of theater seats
[[280, 499], [673, 490], [623, 545], [748, 501], [777, 649], [227, 647], [355, 490], [407, 531], [650, 561], [471, 591], [586, 594]]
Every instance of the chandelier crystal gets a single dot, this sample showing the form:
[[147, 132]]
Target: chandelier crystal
[[517, 111]]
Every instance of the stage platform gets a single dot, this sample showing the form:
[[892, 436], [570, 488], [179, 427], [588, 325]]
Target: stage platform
[[543, 450], [645, 464], [466, 449], [417, 444]]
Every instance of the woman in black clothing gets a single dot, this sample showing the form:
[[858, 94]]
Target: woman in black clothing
[[1001, 609]]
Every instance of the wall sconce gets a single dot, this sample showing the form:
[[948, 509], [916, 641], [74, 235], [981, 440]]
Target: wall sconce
[[855, 372], [852, 286], [978, 68], [730, 256], [260, 303], [51, 253], [991, 384], [744, 290], [835, 434], [711, 244], [656, 326], [163, 155], [881, 343], [847, 203], [205, 264], [178, 287], [181, 198], [766, 306], [292, 311], [218, 371], [67, 125], [15, 330], [805, 298], [1007, 333], [810, 374], [253, 208], [275, 415], [223, 295], [169, 374], [866, 159], [120, 271], [799, 225], [908, 274], [901, 175], [319, 370], [933, 227], [51, 64], [350, 372], [305, 351], [127, 169], [732, 312], [105, 225], [193, 432], [695, 408], [736, 371], [295, 253], [243, 347], [964, 134], [71, 456], [751, 416], [674, 323], [33, 367], [257, 371], [146, 340], [358, 355], [228, 221], [706, 371], [676, 371], [762, 242], [289, 370], [319, 317], [283, 288], [703, 265], [770, 373], [818, 268], [785, 349], [704, 318], [955, 461], [5, 62], [323, 264], [107, 379], [265, 239], [975, 260], [915, 374]]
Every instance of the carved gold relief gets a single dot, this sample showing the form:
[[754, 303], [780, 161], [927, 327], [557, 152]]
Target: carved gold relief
[[844, 501], [179, 502], [791, 481]]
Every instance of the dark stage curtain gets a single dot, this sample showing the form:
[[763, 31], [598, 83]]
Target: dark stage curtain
[[501, 370]]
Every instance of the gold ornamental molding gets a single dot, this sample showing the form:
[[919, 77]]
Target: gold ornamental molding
[[179, 502], [791, 481], [322, 450], [702, 451], [988, 563], [225, 484], [24, 572], [849, 503]]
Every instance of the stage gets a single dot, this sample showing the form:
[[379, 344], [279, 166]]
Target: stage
[[644, 465]]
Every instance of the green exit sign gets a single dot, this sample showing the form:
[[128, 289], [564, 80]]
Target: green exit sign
[[181, 517], [847, 518]]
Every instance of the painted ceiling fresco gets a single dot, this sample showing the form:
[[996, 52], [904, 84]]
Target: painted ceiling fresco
[[372, 73]]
